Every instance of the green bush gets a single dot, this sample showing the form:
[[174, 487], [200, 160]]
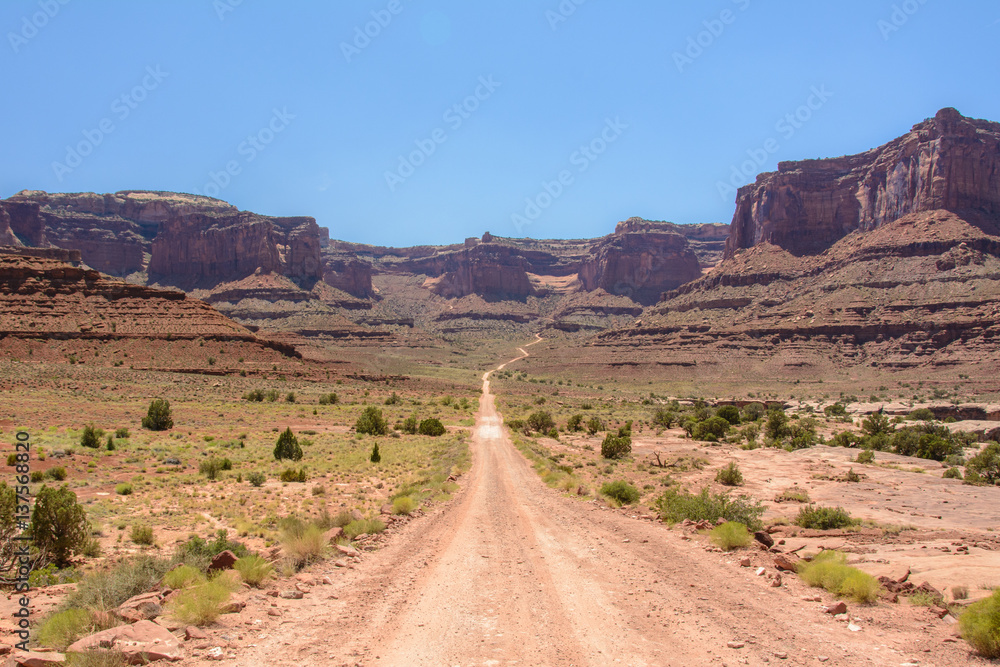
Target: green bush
[[363, 527], [621, 492], [142, 534], [122, 433], [182, 576], [293, 475], [980, 626], [210, 468], [329, 399], [256, 478], [829, 570], [730, 475], [202, 604], [394, 399], [776, 426], [594, 424], [404, 505], [254, 396], [62, 628], [835, 410], [986, 464], [730, 535], [711, 429], [753, 411], [253, 569], [921, 414], [432, 427], [158, 417], [91, 437], [677, 505], [865, 456], [877, 424], [952, 473], [541, 422], [58, 473], [59, 524], [375, 457], [665, 418], [575, 423], [123, 489], [823, 518], [105, 590], [288, 447], [271, 395], [199, 552], [410, 425], [616, 446], [794, 495], [371, 422], [290, 397], [730, 413]]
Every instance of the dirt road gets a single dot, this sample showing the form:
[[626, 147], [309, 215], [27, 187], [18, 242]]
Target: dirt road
[[512, 573]]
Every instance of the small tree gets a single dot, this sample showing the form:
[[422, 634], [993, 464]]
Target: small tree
[[372, 422], [575, 423], [432, 427], [158, 417], [410, 425], [730, 413], [288, 447], [91, 437], [877, 424], [617, 446], [594, 425], [541, 421], [987, 464], [776, 426], [59, 524], [664, 417], [375, 457], [730, 475]]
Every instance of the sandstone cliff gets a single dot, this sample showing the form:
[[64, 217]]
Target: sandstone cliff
[[948, 162]]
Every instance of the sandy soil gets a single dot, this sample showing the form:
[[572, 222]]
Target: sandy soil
[[512, 573]]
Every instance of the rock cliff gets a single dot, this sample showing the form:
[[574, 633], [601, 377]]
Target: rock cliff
[[949, 162]]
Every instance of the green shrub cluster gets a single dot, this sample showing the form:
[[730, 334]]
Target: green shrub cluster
[[621, 492], [329, 399], [824, 518], [431, 427], [980, 626], [288, 447], [371, 422], [829, 570], [730, 475], [158, 416], [293, 475], [677, 505], [730, 535]]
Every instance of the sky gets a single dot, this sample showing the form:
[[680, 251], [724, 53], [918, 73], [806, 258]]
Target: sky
[[406, 122]]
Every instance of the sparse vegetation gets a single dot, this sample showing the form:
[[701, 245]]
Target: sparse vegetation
[[253, 569], [404, 505], [980, 626], [823, 518], [730, 535], [677, 505], [371, 422], [621, 492], [142, 534], [730, 475], [829, 570], [793, 495], [158, 417]]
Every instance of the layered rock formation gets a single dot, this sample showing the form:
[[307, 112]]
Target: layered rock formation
[[948, 162]]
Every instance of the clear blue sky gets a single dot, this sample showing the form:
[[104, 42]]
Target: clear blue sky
[[178, 87]]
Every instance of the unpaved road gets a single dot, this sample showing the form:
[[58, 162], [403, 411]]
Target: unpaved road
[[512, 573]]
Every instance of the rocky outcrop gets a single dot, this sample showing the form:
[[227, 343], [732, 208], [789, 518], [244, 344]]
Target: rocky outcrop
[[948, 162], [640, 263], [490, 270], [348, 274]]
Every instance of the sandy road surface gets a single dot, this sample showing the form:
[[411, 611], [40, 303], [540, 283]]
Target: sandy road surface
[[511, 573]]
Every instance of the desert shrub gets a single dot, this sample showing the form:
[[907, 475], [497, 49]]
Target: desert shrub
[[37, 476], [865, 456], [575, 423], [517, 425], [121, 433], [776, 426], [677, 505], [253, 569], [829, 570], [329, 399], [921, 414], [730, 535], [254, 396], [404, 505], [105, 590], [91, 437], [986, 464], [256, 478], [293, 475], [730, 413], [852, 476], [410, 425], [980, 626], [844, 439], [59, 523], [541, 421], [665, 418], [394, 399], [199, 552], [182, 576], [210, 468], [62, 628], [594, 424], [271, 395], [823, 518], [835, 410], [12, 459], [960, 592], [363, 527], [794, 495], [111, 444], [375, 457], [730, 475], [802, 434], [877, 424], [304, 545], [710, 429], [952, 473], [432, 427], [288, 447], [123, 489], [158, 416], [58, 473], [753, 411], [371, 422], [616, 446], [202, 604], [141, 534], [290, 397], [621, 492]]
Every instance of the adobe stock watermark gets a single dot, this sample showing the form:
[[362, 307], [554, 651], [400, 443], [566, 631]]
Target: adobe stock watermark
[[454, 116], [581, 159], [363, 35], [900, 16], [705, 39], [223, 7], [248, 150], [121, 108], [31, 25], [787, 127], [562, 13]]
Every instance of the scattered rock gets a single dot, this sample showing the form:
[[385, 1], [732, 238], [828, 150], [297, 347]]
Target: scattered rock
[[736, 644], [853, 628], [144, 607], [839, 608], [194, 632], [234, 606], [761, 571], [37, 659], [334, 534], [292, 595], [357, 515], [776, 582], [744, 562], [786, 562], [223, 561], [764, 538], [386, 509], [348, 550], [145, 639]]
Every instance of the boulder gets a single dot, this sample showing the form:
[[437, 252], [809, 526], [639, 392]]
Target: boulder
[[140, 642], [144, 607], [786, 562], [37, 659], [838, 608], [223, 561], [764, 538]]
